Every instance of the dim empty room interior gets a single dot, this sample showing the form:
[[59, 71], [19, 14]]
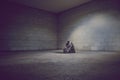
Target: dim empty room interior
[[33, 34]]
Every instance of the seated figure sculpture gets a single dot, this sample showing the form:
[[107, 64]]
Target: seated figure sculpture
[[69, 47]]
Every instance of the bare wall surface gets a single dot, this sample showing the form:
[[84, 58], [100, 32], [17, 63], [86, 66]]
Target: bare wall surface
[[25, 28], [93, 26]]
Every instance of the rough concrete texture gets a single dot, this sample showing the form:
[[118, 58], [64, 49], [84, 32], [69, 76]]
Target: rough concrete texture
[[25, 28], [92, 26], [55, 65]]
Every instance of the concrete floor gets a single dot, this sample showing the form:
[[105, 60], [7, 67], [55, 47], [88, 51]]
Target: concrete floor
[[55, 65]]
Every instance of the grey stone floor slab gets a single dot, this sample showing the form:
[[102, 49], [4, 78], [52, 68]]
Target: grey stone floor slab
[[55, 65]]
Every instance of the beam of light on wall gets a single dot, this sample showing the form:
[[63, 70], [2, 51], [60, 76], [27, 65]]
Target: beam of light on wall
[[95, 33]]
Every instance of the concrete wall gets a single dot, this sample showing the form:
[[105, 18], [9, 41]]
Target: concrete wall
[[25, 28], [92, 26]]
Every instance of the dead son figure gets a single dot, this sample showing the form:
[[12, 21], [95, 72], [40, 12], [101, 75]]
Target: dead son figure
[[69, 47]]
